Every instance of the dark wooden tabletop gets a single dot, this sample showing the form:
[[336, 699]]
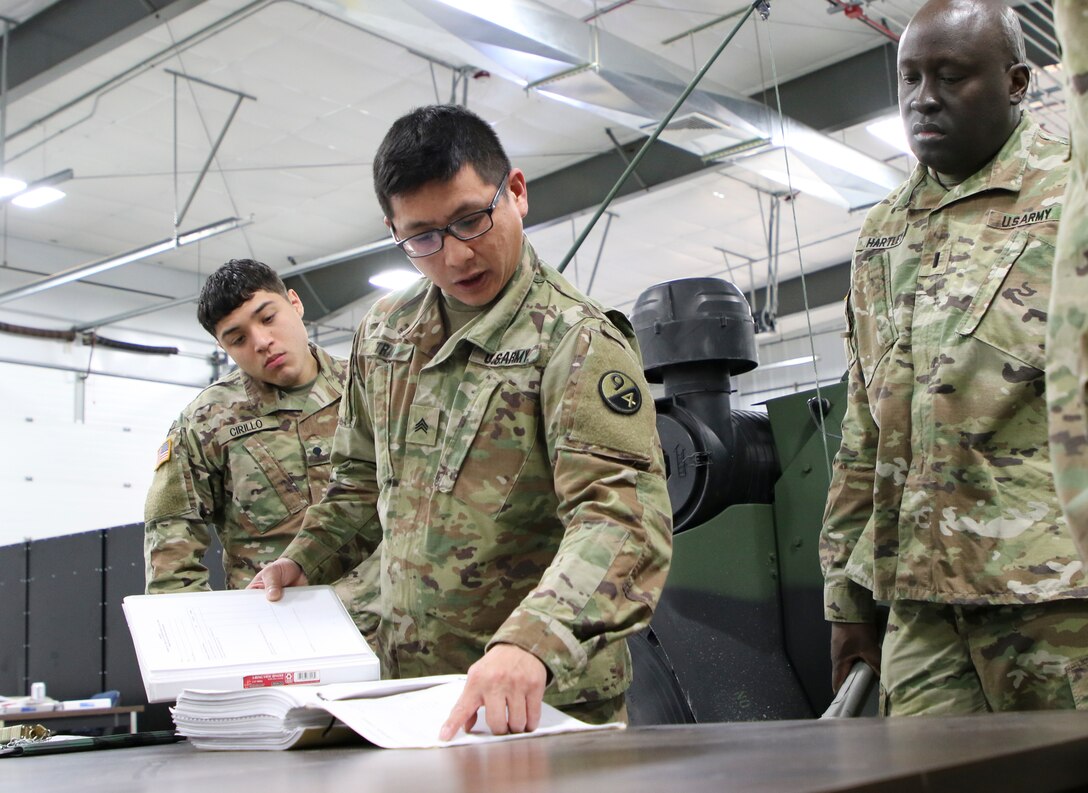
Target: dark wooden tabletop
[[1037, 752]]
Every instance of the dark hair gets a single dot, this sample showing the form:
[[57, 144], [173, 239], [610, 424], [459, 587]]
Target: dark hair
[[431, 144], [231, 285]]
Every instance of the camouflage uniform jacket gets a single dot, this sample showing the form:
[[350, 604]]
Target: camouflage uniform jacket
[[1067, 340], [249, 459], [513, 475], [942, 489]]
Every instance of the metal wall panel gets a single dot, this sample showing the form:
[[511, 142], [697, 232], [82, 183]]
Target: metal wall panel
[[64, 611], [125, 576], [13, 680]]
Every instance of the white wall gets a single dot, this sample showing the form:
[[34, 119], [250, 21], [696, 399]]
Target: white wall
[[59, 475], [792, 341], [81, 423]]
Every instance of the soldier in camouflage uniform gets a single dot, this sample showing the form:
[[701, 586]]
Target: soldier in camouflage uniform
[[1067, 340], [942, 500], [498, 438], [251, 452]]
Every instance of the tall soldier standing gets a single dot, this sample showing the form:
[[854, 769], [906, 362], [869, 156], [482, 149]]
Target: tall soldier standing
[[942, 500]]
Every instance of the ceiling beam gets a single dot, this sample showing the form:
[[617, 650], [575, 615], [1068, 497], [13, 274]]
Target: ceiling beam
[[842, 94], [71, 33], [552, 198]]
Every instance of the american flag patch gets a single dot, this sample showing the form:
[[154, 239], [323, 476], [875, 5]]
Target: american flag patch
[[164, 453]]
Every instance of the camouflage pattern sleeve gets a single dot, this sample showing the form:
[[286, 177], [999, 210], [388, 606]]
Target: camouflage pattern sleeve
[[609, 477], [179, 502], [1067, 327], [342, 529], [850, 497]]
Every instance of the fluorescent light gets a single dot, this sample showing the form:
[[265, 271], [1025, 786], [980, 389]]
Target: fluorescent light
[[394, 279], [890, 130], [208, 231], [38, 197], [797, 180], [125, 258], [11, 186], [86, 270], [36, 194], [789, 362]]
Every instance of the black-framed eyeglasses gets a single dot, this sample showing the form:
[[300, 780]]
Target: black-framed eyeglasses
[[465, 228]]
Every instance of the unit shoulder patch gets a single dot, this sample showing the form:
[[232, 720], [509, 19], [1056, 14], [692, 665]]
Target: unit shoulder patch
[[620, 392]]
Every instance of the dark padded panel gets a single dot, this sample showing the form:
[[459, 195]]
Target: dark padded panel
[[65, 614], [13, 620], [124, 576]]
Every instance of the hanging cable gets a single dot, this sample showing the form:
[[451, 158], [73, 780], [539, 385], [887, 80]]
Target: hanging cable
[[573, 238], [818, 415], [128, 346], [89, 338], [764, 9], [207, 133], [37, 333], [600, 252]]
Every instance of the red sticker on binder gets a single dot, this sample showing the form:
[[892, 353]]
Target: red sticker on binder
[[280, 679]]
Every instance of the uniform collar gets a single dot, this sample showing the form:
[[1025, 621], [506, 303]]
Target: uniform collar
[[1004, 172], [427, 331], [487, 332], [326, 389]]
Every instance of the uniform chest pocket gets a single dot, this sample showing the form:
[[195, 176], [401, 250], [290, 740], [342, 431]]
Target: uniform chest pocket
[[318, 466], [1009, 310], [488, 443], [385, 366], [265, 492], [874, 325]]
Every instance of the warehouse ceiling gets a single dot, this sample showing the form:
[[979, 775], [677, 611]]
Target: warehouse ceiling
[[269, 112]]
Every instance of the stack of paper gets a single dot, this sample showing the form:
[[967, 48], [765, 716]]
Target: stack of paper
[[394, 714], [239, 640], [279, 719]]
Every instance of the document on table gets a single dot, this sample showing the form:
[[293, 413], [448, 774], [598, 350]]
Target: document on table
[[393, 714], [238, 639]]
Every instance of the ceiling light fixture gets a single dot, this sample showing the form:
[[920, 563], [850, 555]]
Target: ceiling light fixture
[[397, 278], [38, 197], [10, 186], [87, 270], [36, 194], [789, 362], [890, 130]]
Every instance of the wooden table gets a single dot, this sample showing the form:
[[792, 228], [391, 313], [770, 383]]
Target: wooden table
[[47, 715], [1035, 752]]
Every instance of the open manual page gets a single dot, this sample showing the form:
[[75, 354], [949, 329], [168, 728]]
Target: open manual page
[[393, 714], [237, 639]]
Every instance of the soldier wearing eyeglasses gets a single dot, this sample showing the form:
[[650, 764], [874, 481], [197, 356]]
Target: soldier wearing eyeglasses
[[497, 438]]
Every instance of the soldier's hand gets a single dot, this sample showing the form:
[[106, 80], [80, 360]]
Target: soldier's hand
[[509, 682], [851, 642], [277, 575]]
